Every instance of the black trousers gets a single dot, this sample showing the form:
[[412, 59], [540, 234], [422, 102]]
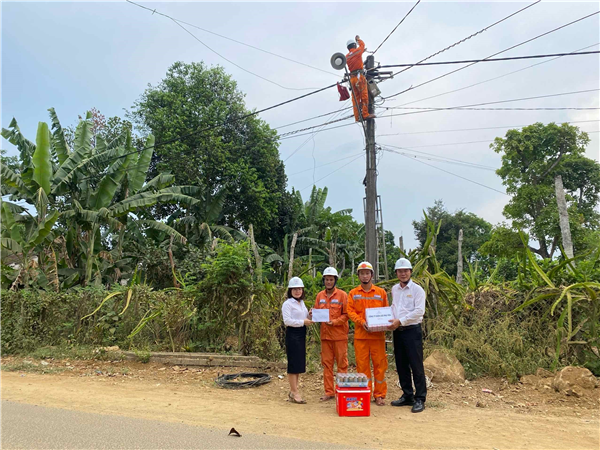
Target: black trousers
[[408, 351]]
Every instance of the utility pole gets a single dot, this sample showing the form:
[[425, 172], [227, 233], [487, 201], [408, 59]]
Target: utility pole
[[459, 263], [372, 75], [371, 194], [563, 216]]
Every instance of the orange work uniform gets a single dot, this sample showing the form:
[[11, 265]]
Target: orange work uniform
[[358, 81], [369, 344], [334, 338]]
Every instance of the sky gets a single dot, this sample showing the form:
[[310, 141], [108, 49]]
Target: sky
[[77, 55]]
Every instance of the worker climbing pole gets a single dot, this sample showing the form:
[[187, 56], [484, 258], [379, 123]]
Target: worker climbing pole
[[358, 82], [363, 78]]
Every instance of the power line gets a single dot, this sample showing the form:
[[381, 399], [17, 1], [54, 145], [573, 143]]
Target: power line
[[178, 23], [464, 109], [331, 173], [444, 93], [411, 149], [227, 122], [313, 135], [496, 102], [471, 36], [430, 157], [236, 41], [316, 126], [237, 65], [327, 164], [450, 173], [459, 108], [311, 118], [325, 129], [511, 58], [476, 129], [399, 23], [431, 109], [492, 79], [491, 56]]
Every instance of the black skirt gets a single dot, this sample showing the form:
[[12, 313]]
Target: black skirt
[[295, 348]]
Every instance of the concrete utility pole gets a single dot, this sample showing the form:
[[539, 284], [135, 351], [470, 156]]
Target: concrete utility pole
[[563, 216], [459, 263], [371, 194], [401, 242], [372, 75]]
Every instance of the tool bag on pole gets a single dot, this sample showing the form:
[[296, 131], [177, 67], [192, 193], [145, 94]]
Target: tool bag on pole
[[344, 94]]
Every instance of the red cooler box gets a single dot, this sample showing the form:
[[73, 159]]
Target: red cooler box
[[353, 401]]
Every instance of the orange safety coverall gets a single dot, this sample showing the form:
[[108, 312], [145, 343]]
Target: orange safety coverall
[[369, 344], [358, 81], [334, 338]]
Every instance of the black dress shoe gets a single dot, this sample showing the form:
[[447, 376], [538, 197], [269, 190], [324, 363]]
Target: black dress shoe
[[418, 406], [403, 401]]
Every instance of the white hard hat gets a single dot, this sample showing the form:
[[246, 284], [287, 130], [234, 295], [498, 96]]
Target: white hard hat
[[403, 263], [365, 265], [331, 271], [295, 282], [350, 42]]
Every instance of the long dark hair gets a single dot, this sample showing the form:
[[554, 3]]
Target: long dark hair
[[289, 294]]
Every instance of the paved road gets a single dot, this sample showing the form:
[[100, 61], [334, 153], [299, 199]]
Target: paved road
[[27, 426]]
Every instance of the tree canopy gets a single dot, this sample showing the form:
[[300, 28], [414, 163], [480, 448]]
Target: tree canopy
[[241, 157], [531, 158]]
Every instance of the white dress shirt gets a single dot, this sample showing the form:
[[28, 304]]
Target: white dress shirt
[[294, 312], [408, 304]]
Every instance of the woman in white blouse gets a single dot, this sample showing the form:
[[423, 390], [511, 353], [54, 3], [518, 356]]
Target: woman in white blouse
[[295, 318]]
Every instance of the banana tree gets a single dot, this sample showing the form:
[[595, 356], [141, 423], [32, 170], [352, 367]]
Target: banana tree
[[85, 189], [22, 234], [443, 293], [200, 222]]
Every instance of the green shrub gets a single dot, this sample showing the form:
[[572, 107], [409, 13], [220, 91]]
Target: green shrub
[[492, 344]]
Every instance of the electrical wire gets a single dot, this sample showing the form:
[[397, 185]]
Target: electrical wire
[[227, 122], [450, 173], [464, 109], [491, 56], [475, 129], [179, 24], [234, 40], [560, 108], [447, 144], [316, 126], [511, 58], [471, 36], [331, 173], [444, 93], [496, 102], [313, 135], [442, 160], [492, 79], [399, 23], [312, 118], [327, 164], [447, 159], [237, 65], [226, 380]]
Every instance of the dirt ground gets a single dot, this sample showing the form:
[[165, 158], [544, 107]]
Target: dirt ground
[[513, 416]]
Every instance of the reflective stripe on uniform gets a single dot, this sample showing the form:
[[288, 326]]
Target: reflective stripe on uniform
[[360, 297]]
